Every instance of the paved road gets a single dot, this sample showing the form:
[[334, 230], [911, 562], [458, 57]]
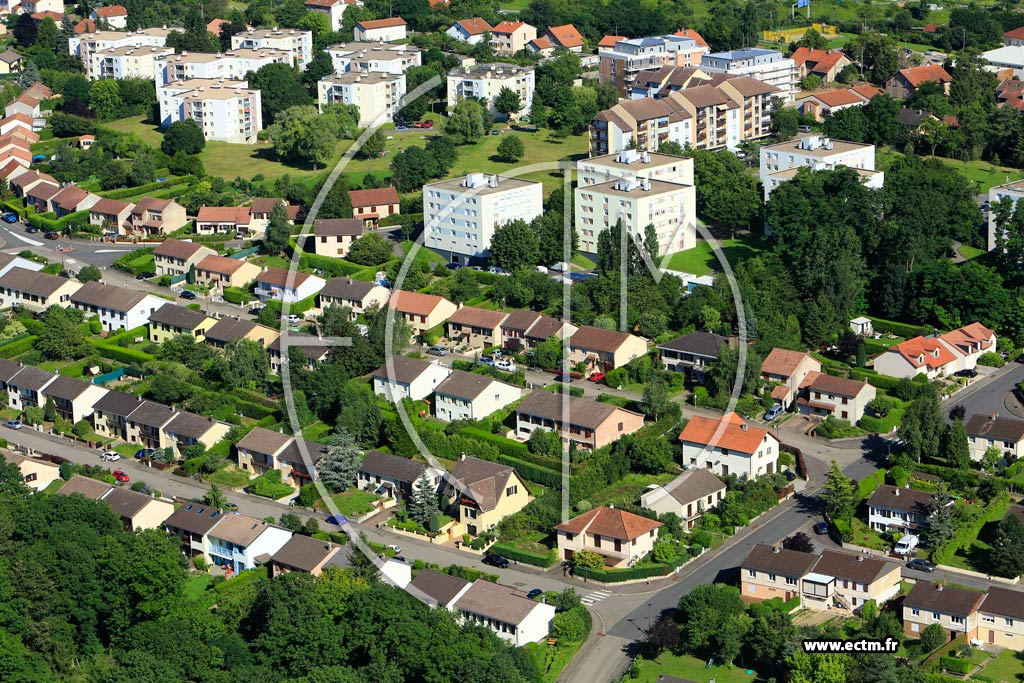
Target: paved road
[[993, 394]]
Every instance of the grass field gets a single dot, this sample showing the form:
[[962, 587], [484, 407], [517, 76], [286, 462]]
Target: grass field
[[984, 174], [1006, 668], [701, 260], [230, 477], [353, 502], [691, 669], [969, 252]]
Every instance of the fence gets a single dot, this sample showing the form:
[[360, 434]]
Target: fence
[[111, 376], [242, 253]]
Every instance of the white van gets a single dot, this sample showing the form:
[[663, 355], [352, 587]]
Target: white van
[[906, 545]]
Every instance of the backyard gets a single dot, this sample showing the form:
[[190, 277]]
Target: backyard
[[352, 503], [701, 260], [1007, 667]]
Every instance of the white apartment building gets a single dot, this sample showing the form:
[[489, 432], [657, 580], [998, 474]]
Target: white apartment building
[[460, 215], [381, 29], [126, 62], [376, 94], [781, 161], [621, 63], [485, 81], [299, 43], [231, 65], [1013, 191], [229, 111], [333, 9], [84, 44], [388, 59], [767, 66]]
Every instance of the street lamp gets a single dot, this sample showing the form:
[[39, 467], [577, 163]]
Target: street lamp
[[649, 619]]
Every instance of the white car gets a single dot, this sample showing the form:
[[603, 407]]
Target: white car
[[392, 546], [505, 365], [293, 319], [110, 456]]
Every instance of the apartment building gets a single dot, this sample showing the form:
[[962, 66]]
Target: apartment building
[[376, 57], [385, 30], [461, 215], [126, 62], [377, 95], [781, 161], [226, 111], [1010, 192], [485, 81], [767, 66], [510, 37], [729, 445], [82, 45], [232, 65], [299, 43], [626, 58]]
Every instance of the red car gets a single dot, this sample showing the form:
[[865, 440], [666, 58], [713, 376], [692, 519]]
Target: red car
[[121, 477], [596, 377], [423, 124]]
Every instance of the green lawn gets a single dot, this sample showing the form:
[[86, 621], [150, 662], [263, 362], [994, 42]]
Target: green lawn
[[54, 486], [691, 669], [196, 587], [230, 477], [1006, 668], [969, 252], [353, 502], [984, 174], [864, 536], [701, 260]]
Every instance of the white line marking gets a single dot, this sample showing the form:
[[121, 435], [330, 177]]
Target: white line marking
[[112, 251], [24, 239]]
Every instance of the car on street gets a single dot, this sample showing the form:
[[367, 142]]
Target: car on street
[[397, 549], [121, 477], [337, 519], [436, 350], [921, 565], [145, 453], [597, 376], [565, 378], [110, 456], [31, 229], [821, 528], [487, 360], [498, 561], [13, 424], [773, 413], [534, 594], [505, 365], [10, 217], [52, 235], [145, 276], [188, 295]]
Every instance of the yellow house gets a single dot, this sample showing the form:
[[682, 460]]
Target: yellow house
[[774, 572], [953, 608], [421, 311], [486, 493], [618, 536], [226, 330], [477, 328], [1001, 618], [137, 510], [171, 320], [221, 271], [603, 350], [187, 428], [38, 474]]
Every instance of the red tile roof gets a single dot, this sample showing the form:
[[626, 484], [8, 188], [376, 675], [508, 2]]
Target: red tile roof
[[382, 23], [839, 98], [507, 27], [609, 41], [566, 35], [930, 28], [220, 264], [378, 197], [735, 434], [782, 362], [474, 26], [690, 33], [414, 303], [85, 26], [611, 523], [866, 90], [840, 386], [930, 73], [970, 338], [224, 214], [923, 352], [111, 11], [1016, 34], [541, 43]]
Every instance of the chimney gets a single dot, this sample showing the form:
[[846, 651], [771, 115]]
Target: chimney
[[611, 506], [744, 426], [896, 493], [860, 558], [775, 550], [939, 587]]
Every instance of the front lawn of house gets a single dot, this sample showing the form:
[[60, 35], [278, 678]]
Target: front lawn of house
[[352, 503], [690, 668], [229, 476]]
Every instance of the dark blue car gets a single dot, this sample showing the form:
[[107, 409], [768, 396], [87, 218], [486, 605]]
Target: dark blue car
[[337, 519]]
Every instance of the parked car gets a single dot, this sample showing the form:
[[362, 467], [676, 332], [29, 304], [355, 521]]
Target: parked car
[[497, 270], [52, 235], [921, 565], [437, 350], [821, 528], [505, 365], [256, 309], [773, 413], [487, 360], [121, 477], [110, 456], [10, 217], [534, 594], [337, 519], [790, 475], [906, 545], [31, 229], [967, 372], [145, 453], [495, 131], [188, 295], [564, 378], [145, 276], [498, 561], [293, 319], [597, 376], [453, 266], [392, 546], [13, 424]]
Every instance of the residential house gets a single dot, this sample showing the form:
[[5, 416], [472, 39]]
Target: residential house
[[138, 511], [260, 211], [315, 349], [1001, 618], [287, 285], [510, 37], [523, 330], [117, 307], [85, 26], [239, 542], [192, 523], [10, 62], [37, 474], [621, 538], [467, 396], [186, 429], [24, 388], [603, 350], [25, 103], [115, 216], [9, 262], [1014, 37], [71, 199], [73, 398], [565, 37], [822, 104], [384, 30], [421, 312], [393, 476], [40, 197], [485, 81], [175, 257], [845, 399], [688, 496], [789, 369], [403, 377], [152, 216], [22, 183], [475, 328], [507, 611], [14, 122], [93, 489], [969, 343], [115, 16], [781, 161], [483, 493], [357, 295], [862, 326], [145, 425], [587, 423], [952, 607], [227, 330], [905, 82], [891, 508], [471, 31], [334, 236], [110, 414], [372, 205], [310, 555], [217, 271], [262, 450], [440, 590], [1006, 434], [728, 445], [770, 572], [692, 353], [849, 580], [461, 215], [825, 64], [35, 291], [223, 220], [937, 356]]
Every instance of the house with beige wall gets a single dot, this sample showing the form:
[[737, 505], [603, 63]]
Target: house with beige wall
[[769, 572], [221, 271], [358, 296], [310, 555], [952, 607], [262, 450], [186, 429], [525, 329], [475, 328], [688, 496], [227, 330], [619, 537], [589, 424], [843, 398], [467, 396], [1001, 618], [137, 510], [113, 215], [789, 369], [483, 493], [175, 257], [334, 236], [170, 320], [192, 523], [992, 431], [421, 311], [509, 37], [603, 350], [145, 425], [37, 474], [35, 291], [73, 398]]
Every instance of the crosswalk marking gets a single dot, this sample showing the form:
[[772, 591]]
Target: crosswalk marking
[[596, 596]]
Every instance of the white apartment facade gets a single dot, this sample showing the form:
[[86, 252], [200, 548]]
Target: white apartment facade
[[780, 162], [485, 81], [388, 59], [232, 65], [767, 66], [1011, 191], [376, 95], [228, 112], [621, 63], [299, 43], [126, 62], [460, 215], [84, 44]]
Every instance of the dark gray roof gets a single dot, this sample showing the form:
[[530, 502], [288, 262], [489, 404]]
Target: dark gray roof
[[292, 454], [948, 599], [406, 369], [496, 601], [177, 316], [314, 347], [90, 488], [697, 343], [189, 425], [31, 378], [462, 384], [347, 288], [906, 500], [440, 587], [693, 485], [352, 227], [779, 560], [304, 553], [995, 428], [851, 567], [107, 296], [196, 518], [485, 481], [32, 282], [263, 441], [545, 328], [151, 414], [392, 466], [127, 503], [1004, 602], [229, 329], [67, 388], [581, 411], [8, 369], [118, 403]]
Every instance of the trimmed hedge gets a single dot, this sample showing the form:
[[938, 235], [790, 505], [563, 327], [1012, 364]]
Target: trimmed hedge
[[235, 295], [956, 665], [898, 328], [331, 267], [874, 379], [147, 189], [296, 308], [868, 484], [18, 346], [254, 410], [625, 574], [967, 532], [513, 449], [120, 353], [535, 559]]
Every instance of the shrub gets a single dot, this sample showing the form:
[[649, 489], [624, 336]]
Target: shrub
[[572, 625], [955, 664], [868, 484], [991, 359], [933, 637], [526, 557], [268, 485]]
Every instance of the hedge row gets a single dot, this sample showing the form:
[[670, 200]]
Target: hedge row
[[18, 346], [296, 308], [956, 665], [254, 410], [874, 379], [146, 189], [967, 532], [255, 397], [626, 574], [898, 328], [868, 484], [331, 267], [535, 559], [234, 295], [120, 353], [513, 449], [882, 425], [48, 221]]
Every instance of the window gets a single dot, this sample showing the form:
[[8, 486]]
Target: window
[[790, 580], [569, 536], [752, 573], [512, 490], [1009, 622], [915, 612], [957, 620], [771, 577]]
